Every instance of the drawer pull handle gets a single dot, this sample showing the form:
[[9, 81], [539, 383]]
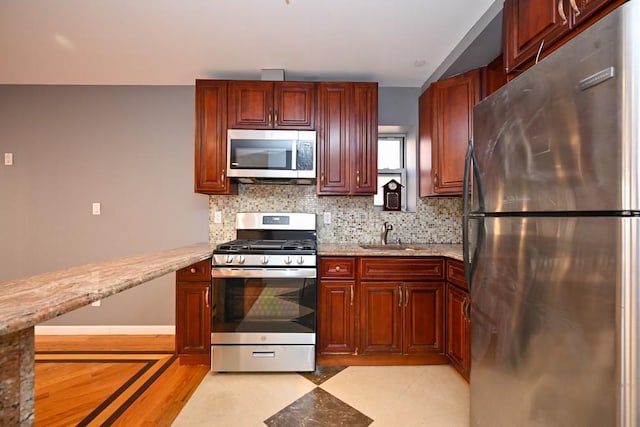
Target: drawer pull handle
[[263, 354], [561, 12], [338, 268], [575, 7]]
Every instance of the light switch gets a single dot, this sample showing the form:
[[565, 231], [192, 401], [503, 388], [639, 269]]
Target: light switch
[[95, 208], [327, 218], [8, 159]]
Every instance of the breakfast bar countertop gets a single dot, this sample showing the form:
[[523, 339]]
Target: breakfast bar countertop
[[31, 300], [410, 249]]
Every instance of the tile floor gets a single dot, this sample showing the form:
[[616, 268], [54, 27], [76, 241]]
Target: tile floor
[[354, 396]]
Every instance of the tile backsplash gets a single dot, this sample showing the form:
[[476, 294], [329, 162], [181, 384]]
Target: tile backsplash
[[353, 219]]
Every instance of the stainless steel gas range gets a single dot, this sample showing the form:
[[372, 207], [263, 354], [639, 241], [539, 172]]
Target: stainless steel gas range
[[264, 294]]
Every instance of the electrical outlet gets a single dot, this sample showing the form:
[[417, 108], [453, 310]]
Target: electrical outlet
[[96, 208], [217, 217], [8, 159], [327, 218]]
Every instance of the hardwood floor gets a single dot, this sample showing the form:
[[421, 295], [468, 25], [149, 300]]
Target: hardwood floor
[[119, 380]]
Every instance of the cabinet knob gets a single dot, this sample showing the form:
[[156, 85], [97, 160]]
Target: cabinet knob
[[357, 178], [337, 268], [192, 269], [435, 179], [269, 117]]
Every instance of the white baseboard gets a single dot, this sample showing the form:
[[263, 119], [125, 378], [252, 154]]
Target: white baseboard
[[105, 330]]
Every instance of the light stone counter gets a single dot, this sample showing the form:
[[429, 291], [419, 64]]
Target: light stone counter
[[26, 302], [417, 249]]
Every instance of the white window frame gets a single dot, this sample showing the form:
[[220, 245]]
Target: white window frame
[[394, 172]]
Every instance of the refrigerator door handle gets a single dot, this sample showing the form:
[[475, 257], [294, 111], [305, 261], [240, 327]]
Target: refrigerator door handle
[[465, 214], [470, 163]]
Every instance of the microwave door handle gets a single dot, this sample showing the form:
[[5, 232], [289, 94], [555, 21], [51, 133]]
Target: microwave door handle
[[294, 155]]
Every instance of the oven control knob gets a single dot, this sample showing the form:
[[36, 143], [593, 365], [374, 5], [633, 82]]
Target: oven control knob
[[288, 260], [300, 260], [264, 259], [240, 259], [229, 259]]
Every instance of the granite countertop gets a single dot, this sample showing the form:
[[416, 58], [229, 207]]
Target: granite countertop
[[410, 249], [26, 302]]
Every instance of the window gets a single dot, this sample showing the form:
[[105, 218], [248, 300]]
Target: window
[[391, 165]]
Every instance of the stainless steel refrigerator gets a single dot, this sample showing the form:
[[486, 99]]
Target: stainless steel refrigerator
[[552, 237]]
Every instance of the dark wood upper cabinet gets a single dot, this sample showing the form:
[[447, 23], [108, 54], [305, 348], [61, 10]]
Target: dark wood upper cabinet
[[211, 138], [365, 138], [453, 102], [495, 76], [527, 24], [271, 105], [588, 9], [347, 138], [425, 142], [532, 26]]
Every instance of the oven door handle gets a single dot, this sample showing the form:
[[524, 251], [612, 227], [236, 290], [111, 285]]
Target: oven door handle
[[248, 272]]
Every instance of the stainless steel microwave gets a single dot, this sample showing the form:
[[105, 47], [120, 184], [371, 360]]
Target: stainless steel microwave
[[271, 154]]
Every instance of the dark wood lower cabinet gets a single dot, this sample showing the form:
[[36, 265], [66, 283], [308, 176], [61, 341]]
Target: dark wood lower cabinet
[[390, 310], [402, 318], [458, 324], [193, 313], [458, 330], [336, 317]]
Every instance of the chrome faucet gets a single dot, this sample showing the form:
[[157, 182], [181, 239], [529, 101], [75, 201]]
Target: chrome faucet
[[386, 227]]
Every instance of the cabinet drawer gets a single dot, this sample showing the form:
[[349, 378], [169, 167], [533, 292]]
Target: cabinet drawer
[[198, 272], [337, 268], [398, 268], [455, 273]]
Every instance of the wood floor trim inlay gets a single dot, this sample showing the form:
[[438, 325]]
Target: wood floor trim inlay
[[139, 392], [154, 364], [105, 404]]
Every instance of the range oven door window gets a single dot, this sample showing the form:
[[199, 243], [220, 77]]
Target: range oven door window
[[265, 304]]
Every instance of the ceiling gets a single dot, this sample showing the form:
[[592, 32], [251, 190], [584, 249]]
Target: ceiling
[[170, 42]]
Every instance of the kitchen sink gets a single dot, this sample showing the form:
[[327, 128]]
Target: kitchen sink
[[390, 247]]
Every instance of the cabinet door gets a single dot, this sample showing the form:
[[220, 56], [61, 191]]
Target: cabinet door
[[454, 100], [381, 317], [336, 320], [527, 24], [334, 100], [425, 140], [193, 321], [364, 147], [423, 318], [250, 105], [589, 8], [294, 105], [211, 138], [458, 330], [495, 76]]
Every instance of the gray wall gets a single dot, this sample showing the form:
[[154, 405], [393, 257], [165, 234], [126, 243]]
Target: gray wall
[[129, 148]]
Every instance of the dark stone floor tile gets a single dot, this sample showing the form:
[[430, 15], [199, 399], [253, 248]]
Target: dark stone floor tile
[[321, 409], [322, 373]]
